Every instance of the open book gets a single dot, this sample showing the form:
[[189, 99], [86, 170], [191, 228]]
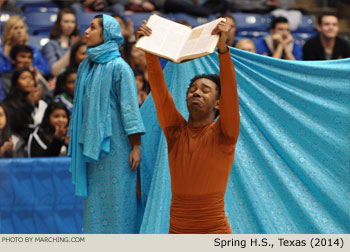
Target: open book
[[177, 42]]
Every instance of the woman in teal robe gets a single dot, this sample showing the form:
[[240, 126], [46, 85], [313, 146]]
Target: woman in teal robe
[[105, 133]]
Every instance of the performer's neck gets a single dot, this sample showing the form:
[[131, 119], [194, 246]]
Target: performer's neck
[[197, 121]]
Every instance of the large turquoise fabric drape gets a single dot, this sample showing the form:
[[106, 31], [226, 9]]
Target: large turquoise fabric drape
[[291, 169]]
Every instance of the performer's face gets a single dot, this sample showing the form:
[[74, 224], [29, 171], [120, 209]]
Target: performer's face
[[93, 35], [203, 96]]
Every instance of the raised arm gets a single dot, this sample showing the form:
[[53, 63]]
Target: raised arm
[[229, 107], [167, 113]]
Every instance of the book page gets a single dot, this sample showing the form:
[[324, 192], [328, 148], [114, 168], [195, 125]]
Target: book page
[[167, 37], [201, 39]]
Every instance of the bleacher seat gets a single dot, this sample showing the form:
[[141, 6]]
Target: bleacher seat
[[301, 38], [251, 22], [252, 34], [38, 41], [192, 20], [307, 25], [49, 8], [40, 23], [43, 3]]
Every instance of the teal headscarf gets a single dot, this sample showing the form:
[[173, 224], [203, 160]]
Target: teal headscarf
[[90, 131]]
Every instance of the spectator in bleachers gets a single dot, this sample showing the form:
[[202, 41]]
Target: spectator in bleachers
[[15, 33], [232, 32], [65, 88], [6, 144], [9, 6], [135, 58], [50, 138], [196, 7], [113, 6], [280, 44], [127, 27], [63, 35], [24, 103], [142, 86], [22, 56], [326, 45], [77, 55], [246, 45]]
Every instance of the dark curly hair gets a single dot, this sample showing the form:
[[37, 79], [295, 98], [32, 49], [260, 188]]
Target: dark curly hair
[[214, 78]]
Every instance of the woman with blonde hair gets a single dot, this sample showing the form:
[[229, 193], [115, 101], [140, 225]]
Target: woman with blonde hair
[[15, 33], [63, 35], [246, 45]]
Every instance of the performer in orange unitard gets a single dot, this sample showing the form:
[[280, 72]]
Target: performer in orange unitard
[[200, 151]]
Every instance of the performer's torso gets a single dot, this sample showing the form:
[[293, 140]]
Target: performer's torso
[[200, 159]]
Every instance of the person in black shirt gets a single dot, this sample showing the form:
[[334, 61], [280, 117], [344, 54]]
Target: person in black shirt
[[21, 100], [50, 138], [326, 45]]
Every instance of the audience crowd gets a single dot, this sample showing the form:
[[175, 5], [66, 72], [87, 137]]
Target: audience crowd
[[37, 86]]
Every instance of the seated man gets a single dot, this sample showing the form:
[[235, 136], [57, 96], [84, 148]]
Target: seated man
[[326, 45], [200, 150], [280, 44]]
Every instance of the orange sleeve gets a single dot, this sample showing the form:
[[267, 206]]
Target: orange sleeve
[[135, 139], [229, 107], [167, 113]]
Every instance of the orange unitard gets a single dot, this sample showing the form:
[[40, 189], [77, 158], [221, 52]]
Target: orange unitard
[[200, 159]]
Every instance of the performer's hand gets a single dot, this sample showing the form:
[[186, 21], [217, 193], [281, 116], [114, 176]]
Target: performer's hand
[[222, 29], [143, 30], [135, 157]]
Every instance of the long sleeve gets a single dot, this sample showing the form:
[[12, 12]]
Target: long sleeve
[[229, 106], [167, 113], [38, 146], [127, 94]]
